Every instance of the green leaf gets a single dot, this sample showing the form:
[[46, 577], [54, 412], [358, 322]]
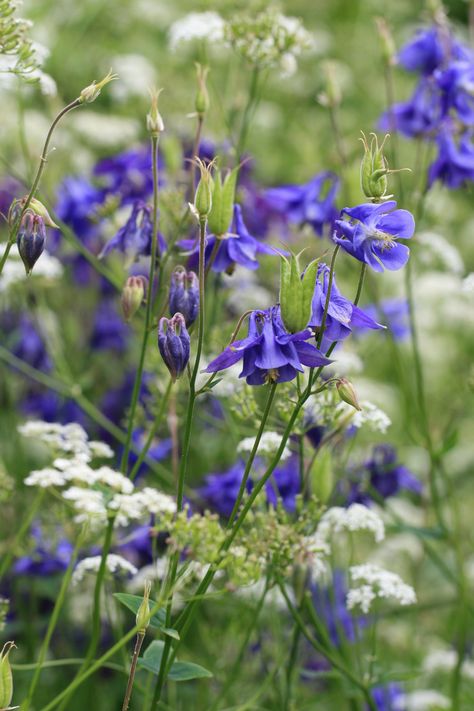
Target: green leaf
[[133, 603], [170, 632], [184, 671], [180, 671]]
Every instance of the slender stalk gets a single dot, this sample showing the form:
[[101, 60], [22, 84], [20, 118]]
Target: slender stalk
[[253, 453], [131, 678], [43, 160], [52, 623], [322, 328], [148, 313]]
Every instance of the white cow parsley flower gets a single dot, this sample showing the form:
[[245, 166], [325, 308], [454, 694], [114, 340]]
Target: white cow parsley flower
[[87, 503], [375, 582], [268, 445], [196, 26], [115, 564], [423, 700], [45, 478], [356, 517], [116, 480], [372, 416]]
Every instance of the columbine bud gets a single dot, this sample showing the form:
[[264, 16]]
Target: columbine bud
[[174, 344], [154, 120], [143, 614], [31, 239], [347, 393], [133, 294], [201, 102], [6, 676], [35, 206], [374, 169], [296, 293], [223, 197], [203, 197], [91, 92], [184, 294]]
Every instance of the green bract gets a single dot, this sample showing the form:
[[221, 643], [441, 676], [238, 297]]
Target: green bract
[[296, 292]]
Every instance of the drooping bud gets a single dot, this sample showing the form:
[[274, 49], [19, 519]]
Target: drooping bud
[[91, 92], [35, 206], [374, 169], [174, 344], [296, 292], [184, 294], [223, 197], [133, 294], [31, 239], [386, 39], [143, 614], [347, 393], [203, 197], [201, 102], [154, 120], [6, 676], [321, 475]]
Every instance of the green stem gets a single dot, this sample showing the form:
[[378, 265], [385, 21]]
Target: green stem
[[133, 668], [43, 160], [52, 623]]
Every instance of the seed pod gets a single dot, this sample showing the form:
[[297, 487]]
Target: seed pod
[[296, 292], [203, 196], [201, 102], [374, 169], [143, 614], [223, 197]]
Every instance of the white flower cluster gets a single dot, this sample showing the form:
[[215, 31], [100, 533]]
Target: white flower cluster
[[269, 40], [423, 700], [445, 660], [327, 409], [196, 26], [269, 443], [372, 416], [375, 582], [356, 517], [94, 494], [115, 564]]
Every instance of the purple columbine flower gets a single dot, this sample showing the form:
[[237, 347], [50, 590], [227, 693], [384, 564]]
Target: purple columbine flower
[[418, 116], [31, 239], [389, 697], [311, 203], [184, 294], [380, 476], [134, 239], [395, 312], [457, 84], [454, 164], [174, 344], [220, 490], [342, 315], [238, 247], [269, 352], [426, 51], [109, 332], [127, 175], [371, 232]]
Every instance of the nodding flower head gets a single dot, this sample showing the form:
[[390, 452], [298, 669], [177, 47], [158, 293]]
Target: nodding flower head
[[134, 239], [184, 294], [174, 344], [31, 239]]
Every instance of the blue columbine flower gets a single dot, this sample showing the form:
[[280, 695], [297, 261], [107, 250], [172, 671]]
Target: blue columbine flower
[[238, 247], [184, 294], [426, 51], [174, 344], [342, 314], [389, 697], [418, 116], [270, 353], [395, 312], [457, 84], [109, 332], [372, 230], [454, 164], [380, 476], [220, 490], [135, 237], [311, 203], [127, 175]]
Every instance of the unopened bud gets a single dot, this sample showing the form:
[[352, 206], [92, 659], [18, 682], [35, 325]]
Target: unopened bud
[[347, 393], [174, 344], [31, 239], [133, 294], [6, 676], [296, 292], [201, 102], [143, 614], [203, 196], [184, 294], [154, 120], [91, 92]]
